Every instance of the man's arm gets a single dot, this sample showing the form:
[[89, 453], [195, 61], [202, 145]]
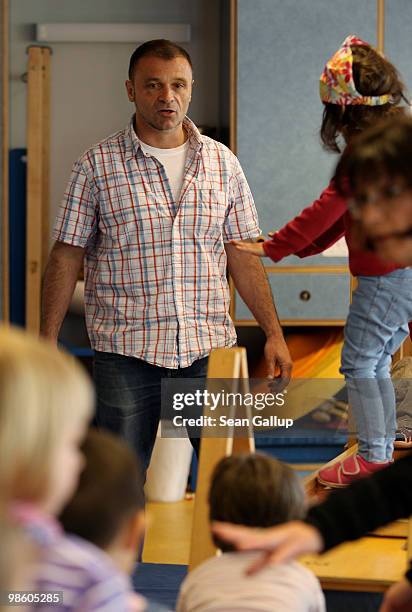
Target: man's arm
[[252, 283], [62, 271]]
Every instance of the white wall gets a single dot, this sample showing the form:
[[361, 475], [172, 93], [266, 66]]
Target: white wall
[[88, 99]]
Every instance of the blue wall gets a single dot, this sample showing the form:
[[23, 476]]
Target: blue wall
[[282, 49]]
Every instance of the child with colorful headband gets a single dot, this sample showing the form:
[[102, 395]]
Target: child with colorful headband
[[358, 87]]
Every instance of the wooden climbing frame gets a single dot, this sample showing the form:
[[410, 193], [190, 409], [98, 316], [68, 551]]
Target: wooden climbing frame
[[225, 365], [38, 154]]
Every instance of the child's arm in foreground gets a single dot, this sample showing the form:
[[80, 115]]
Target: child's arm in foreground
[[345, 515]]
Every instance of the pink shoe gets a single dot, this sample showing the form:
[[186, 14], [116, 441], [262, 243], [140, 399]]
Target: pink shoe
[[342, 473]]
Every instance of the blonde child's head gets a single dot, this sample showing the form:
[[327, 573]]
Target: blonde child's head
[[254, 490], [46, 401]]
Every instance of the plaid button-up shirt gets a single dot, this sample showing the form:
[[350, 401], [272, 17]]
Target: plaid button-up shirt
[[155, 269]]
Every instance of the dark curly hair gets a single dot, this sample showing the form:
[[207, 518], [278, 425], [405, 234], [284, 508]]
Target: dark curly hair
[[383, 151], [373, 75]]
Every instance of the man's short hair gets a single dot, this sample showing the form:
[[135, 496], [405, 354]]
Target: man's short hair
[[254, 490], [165, 49], [110, 490]]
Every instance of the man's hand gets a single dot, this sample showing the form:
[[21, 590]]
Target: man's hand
[[398, 598], [253, 248], [280, 544], [278, 359], [251, 281]]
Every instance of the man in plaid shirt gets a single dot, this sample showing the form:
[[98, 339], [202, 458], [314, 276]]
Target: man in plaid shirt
[[151, 211]]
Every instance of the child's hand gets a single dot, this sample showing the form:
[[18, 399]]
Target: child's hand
[[254, 248], [280, 544], [398, 597]]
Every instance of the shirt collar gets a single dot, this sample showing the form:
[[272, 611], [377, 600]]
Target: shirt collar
[[132, 143]]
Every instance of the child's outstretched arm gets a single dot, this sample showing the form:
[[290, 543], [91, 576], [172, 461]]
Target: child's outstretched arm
[[314, 230], [279, 544]]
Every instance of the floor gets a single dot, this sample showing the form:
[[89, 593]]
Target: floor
[[169, 531]]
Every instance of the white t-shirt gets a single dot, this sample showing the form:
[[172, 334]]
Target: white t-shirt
[[220, 584], [173, 161]]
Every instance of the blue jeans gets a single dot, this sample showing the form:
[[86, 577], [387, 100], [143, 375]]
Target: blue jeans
[[128, 398], [376, 327]]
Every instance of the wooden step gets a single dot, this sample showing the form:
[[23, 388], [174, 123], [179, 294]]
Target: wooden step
[[370, 564]]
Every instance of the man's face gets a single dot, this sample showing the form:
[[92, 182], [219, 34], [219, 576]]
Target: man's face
[[384, 209], [161, 91]]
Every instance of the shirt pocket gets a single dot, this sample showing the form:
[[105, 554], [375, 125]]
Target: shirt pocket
[[207, 215]]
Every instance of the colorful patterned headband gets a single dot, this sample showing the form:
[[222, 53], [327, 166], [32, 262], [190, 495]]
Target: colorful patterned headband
[[336, 82]]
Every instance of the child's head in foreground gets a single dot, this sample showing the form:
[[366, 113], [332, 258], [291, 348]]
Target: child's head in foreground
[[375, 173], [46, 402], [107, 508], [254, 490], [358, 87]]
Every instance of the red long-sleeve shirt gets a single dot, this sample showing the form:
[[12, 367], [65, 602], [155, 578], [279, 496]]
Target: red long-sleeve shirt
[[317, 228]]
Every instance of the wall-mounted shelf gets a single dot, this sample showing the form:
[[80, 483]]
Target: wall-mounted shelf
[[111, 32]]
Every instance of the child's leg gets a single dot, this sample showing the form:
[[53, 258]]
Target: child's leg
[[369, 332], [366, 404], [399, 285], [377, 325], [387, 389], [389, 408]]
